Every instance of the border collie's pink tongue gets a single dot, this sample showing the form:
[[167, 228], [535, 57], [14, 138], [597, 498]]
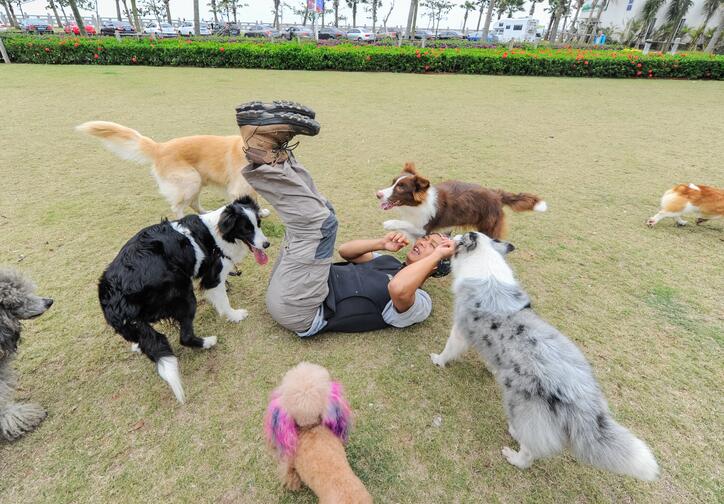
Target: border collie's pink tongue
[[386, 205], [260, 256]]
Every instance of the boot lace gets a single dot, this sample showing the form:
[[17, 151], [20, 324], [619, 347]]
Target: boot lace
[[285, 147]]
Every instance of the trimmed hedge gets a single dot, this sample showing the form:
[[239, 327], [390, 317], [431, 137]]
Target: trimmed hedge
[[354, 58]]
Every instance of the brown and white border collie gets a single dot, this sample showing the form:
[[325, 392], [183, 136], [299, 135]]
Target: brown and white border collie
[[705, 201], [424, 208]]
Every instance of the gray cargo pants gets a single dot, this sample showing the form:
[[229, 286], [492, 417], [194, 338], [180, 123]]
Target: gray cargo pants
[[298, 284]]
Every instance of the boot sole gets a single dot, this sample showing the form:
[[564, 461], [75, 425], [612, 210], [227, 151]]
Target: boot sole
[[277, 106], [302, 124]]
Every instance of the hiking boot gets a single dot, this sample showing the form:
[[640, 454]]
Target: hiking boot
[[267, 135], [277, 106]]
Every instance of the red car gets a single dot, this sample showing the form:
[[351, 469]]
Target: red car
[[76, 31]]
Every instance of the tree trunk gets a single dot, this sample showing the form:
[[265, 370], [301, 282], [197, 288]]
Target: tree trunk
[[336, 13], [550, 26], [558, 14], [168, 10], [488, 17], [669, 40], [22, 14], [11, 15], [410, 13], [354, 15], [717, 33], [374, 14], [594, 28], [125, 9], [136, 19], [532, 8], [215, 11], [118, 11], [233, 9], [562, 33], [55, 12], [78, 17], [590, 25], [480, 18], [573, 23], [197, 17]]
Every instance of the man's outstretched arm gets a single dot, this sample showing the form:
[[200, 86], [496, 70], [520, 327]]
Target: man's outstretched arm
[[360, 251]]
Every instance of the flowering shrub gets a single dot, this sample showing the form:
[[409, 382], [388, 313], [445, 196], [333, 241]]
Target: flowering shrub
[[565, 61]]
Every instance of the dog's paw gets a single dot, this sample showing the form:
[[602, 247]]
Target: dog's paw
[[651, 223], [292, 481], [264, 212], [392, 225], [135, 348], [210, 341], [681, 223], [237, 315], [437, 360]]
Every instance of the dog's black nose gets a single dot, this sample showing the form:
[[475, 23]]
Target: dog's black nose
[[266, 244], [48, 302]]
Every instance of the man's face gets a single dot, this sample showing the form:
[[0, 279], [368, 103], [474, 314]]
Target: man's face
[[423, 247]]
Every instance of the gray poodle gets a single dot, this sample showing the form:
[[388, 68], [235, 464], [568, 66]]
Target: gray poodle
[[17, 302]]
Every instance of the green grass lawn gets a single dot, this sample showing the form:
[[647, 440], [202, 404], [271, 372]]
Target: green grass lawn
[[645, 306]]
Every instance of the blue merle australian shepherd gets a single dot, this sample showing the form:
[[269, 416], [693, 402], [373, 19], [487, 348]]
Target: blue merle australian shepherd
[[550, 396], [152, 279]]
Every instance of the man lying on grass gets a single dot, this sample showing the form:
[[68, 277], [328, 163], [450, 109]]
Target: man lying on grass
[[308, 294]]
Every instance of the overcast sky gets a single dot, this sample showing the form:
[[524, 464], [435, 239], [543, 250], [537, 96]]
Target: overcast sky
[[262, 10]]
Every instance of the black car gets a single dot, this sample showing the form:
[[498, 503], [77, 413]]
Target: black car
[[424, 34], [449, 35], [330, 32], [36, 25], [123, 27], [228, 29], [262, 31]]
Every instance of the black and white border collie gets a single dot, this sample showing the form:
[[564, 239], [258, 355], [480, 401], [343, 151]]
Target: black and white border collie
[[151, 279], [424, 208]]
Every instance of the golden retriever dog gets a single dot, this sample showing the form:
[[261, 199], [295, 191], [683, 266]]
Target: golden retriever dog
[[182, 166], [706, 202], [307, 424]]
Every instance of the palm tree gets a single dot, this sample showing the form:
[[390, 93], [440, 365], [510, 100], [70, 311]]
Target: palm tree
[[709, 8], [532, 6], [481, 5], [10, 13], [78, 17], [488, 18], [648, 16], [118, 10], [412, 18], [717, 33], [567, 36], [674, 14], [197, 18], [373, 9], [136, 18], [352, 4], [51, 4], [168, 10], [335, 5], [468, 6]]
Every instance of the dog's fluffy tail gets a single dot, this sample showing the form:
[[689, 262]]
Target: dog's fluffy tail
[[167, 368], [124, 142], [608, 445], [523, 201]]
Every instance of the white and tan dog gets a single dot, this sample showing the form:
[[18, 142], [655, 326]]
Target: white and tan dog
[[182, 166], [706, 202]]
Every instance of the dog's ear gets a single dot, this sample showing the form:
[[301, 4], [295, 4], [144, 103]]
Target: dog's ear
[[9, 333], [410, 168], [280, 428], [247, 201], [338, 417], [421, 183], [227, 222], [503, 247]]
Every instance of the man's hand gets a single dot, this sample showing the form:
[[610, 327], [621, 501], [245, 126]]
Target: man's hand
[[394, 241], [445, 249]]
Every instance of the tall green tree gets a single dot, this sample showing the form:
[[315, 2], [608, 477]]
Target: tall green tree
[[77, 16], [352, 4], [10, 13], [438, 10], [168, 10], [412, 19], [488, 18], [197, 16], [51, 5], [676, 11], [136, 17], [480, 5], [648, 16], [468, 6], [717, 32], [709, 9], [532, 6], [277, 5]]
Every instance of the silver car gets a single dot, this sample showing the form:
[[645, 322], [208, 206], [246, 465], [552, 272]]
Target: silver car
[[187, 29], [360, 34]]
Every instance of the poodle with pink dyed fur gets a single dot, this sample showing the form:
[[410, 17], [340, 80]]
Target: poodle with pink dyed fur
[[307, 424]]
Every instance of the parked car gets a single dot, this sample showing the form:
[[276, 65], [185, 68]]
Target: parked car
[[330, 32], [449, 35], [228, 30], [72, 27], [297, 31], [35, 25], [262, 31], [424, 34], [161, 30], [360, 34], [381, 33], [124, 28], [477, 36], [187, 29]]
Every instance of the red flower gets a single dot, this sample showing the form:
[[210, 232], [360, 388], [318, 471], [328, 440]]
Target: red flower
[[95, 56], [427, 67], [613, 55], [369, 58], [133, 59], [221, 49], [505, 55], [638, 73], [188, 41], [418, 55], [585, 62], [47, 49], [76, 44], [638, 65]]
